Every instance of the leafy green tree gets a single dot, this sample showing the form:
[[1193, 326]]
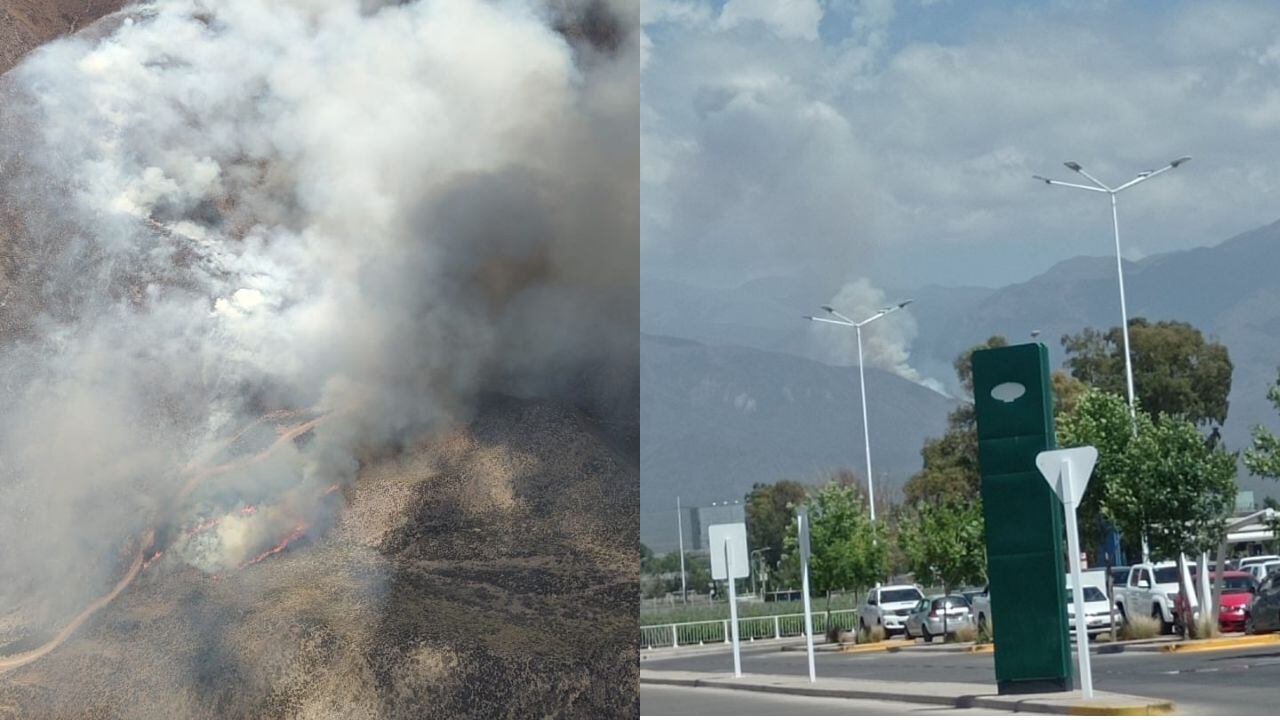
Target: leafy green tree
[[1100, 419], [846, 552], [1179, 491], [770, 509], [1175, 370], [944, 543], [1263, 459], [951, 461]]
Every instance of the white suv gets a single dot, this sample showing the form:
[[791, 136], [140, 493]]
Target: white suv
[[888, 607]]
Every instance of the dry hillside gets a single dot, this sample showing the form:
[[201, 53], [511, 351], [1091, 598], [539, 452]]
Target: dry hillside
[[490, 573], [25, 24]]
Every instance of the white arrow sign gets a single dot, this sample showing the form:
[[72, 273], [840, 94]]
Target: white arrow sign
[[1067, 471]]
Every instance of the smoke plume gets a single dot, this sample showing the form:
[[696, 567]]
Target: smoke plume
[[364, 213], [886, 343]]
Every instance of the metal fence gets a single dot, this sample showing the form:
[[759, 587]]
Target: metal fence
[[762, 627]]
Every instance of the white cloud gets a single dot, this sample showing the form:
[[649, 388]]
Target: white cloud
[[789, 19], [904, 152]]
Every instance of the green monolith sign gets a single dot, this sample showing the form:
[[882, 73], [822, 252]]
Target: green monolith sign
[[1013, 399]]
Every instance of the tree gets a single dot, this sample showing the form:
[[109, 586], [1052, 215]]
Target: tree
[[951, 461], [770, 510], [842, 540], [1180, 489], [1100, 419], [1192, 484], [1175, 370], [1263, 459], [945, 543]]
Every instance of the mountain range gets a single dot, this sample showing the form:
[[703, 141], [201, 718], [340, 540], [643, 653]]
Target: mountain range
[[751, 339]]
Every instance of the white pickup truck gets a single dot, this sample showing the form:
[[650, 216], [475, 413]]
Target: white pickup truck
[[888, 607], [1149, 591]]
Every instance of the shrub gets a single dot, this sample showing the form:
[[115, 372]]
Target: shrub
[[965, 634], [874, 635], [1140, 628]]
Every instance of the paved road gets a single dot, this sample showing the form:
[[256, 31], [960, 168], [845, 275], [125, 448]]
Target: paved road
[[660, 700], [1233, 681]]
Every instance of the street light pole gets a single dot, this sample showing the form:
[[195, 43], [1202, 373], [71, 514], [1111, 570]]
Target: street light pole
[[866, 430], [862, 381], [1098, 186], [684, 590]]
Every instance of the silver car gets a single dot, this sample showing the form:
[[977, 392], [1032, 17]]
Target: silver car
[[926, 618]]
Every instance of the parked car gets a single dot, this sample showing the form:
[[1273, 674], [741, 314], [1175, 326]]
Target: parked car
[[970, 593], [1149, 591], [1264, 609], [1119, 575], [1260, 570], [1098, 608], [888, 607], [1238, 589], [981, 605], [1246, 563], [939, 615]]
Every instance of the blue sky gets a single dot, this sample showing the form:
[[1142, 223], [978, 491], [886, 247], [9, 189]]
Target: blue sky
[[895, 141]]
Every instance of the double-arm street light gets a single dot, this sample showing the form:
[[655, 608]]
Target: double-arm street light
[[1098, 186], [838, 319]]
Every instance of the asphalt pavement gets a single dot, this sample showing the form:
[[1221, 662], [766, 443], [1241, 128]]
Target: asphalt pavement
[[1241, 681], [668, 700]]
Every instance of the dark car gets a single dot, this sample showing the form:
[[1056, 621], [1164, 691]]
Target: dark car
[[1119, 575], [1264, 611]]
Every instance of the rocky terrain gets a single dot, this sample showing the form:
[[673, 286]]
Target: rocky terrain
[[487, 573]]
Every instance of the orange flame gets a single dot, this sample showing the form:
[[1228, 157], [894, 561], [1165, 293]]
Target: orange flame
[[298, 532], [147, 563]]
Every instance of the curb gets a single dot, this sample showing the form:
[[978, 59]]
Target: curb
[[983, 649], [886, 645], [1194, 646], [1066, 706]]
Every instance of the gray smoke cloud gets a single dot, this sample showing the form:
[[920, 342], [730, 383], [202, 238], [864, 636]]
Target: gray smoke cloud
[[886, 343], [373, 212]]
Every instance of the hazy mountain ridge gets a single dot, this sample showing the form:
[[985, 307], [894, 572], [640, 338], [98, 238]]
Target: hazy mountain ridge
[[1229, 290], [717, 419]]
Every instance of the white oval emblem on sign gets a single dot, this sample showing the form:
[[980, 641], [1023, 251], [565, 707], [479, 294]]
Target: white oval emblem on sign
[[1008, 392]]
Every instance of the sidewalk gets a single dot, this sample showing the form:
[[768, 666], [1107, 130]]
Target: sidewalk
[[659, 653], [958, 695]]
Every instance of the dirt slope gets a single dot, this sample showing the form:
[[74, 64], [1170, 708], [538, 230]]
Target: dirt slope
[[25, 24], [489, 573]]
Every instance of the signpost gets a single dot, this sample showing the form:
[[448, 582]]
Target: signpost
[[1067, 472], [802, 528], [1013, 406], [729, 561]]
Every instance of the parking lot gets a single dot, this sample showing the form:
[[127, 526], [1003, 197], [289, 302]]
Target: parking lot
[[1241, 681]]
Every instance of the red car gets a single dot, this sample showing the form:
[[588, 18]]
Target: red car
[[1238, 589]]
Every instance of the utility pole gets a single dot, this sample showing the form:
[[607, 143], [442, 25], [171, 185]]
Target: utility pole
[[684, 590]]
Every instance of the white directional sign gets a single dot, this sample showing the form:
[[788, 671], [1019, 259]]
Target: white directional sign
[[802, 527], [736, 535], [1067, 472], [729, 559], [1069, 485]]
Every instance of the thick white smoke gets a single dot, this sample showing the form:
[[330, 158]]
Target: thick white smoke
[[215, 209], [886, 343]]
